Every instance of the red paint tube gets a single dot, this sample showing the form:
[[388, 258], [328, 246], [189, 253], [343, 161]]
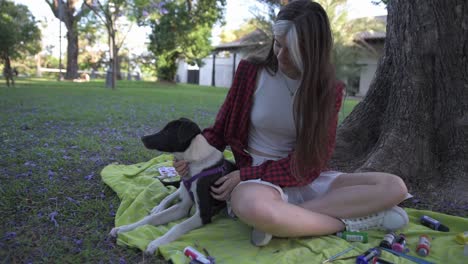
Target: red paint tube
[[424, 245], [195, 255]]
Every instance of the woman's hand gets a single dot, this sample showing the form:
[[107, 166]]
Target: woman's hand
[[227, 184], [181, 166]]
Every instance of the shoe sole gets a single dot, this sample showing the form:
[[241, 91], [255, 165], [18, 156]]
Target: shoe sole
[[259, 238], [403, 214]]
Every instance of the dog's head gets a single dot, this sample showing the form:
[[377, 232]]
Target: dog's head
[[174, 137]]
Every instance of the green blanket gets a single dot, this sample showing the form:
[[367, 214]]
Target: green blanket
[[227, 239]]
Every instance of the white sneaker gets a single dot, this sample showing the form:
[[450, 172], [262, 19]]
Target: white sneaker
[[260, 238], [390, 220]]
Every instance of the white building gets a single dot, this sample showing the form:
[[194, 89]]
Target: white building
[[219, 69]]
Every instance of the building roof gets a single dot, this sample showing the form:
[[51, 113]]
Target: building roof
[[371, 35], [254, 38]]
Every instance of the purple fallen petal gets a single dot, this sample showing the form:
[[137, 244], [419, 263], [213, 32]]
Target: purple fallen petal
[[52, 218], [10, 235], [89, 177], [118, 148], [30, 163], [78, 242], [51, 174], [73, 200], [122, 260]]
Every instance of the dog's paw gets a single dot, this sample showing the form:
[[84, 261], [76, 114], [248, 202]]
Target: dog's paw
[[152, 247], [114, 232]]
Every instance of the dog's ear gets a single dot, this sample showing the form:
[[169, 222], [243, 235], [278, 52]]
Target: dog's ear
[[187, 130]]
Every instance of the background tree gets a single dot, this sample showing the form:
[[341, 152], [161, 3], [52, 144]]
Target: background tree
[[413, 121], [70, 12], [244, 29], [92, 52], [346, 51], [182, 29], [109, 12], [19, 34]]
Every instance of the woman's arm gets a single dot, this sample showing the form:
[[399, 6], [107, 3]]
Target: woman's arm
[[215, 135]]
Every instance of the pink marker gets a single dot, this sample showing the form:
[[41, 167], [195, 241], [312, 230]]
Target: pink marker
[[195, 255]]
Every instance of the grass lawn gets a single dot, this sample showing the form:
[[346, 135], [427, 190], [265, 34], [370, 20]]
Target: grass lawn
[[56, 137]]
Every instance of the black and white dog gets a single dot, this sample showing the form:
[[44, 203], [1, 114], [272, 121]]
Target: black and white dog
[[183, 139]]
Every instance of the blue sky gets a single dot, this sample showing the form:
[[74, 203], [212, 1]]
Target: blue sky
[[237, 11]]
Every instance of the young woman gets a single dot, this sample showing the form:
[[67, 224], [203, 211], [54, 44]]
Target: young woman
[[280, 118]]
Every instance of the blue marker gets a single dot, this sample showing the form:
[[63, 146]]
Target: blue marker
[[368, 256]]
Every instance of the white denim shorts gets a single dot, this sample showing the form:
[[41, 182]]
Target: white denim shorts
[[297, 195]]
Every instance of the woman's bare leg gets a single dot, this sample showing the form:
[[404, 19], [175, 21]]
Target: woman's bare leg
[[261, 206], [359, 194], [350, 195]]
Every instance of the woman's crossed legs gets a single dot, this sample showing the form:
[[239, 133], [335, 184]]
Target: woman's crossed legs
[[349, 195]]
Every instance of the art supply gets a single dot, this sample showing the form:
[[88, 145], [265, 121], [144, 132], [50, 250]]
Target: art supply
[[368, 256], [388, 240], [403, 255], [353, 236], [378, 260], [462, 238], [400, 243], [424, 245], [167, 172], [193, 254], [339, 254], [433, 224]]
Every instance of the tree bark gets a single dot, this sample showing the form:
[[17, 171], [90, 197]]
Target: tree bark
[[413, 121], [72, 51], [68, 14]]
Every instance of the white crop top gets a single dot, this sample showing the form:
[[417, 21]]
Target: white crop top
[[272, 130]]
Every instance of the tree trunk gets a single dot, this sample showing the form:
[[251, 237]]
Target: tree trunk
[[413, 122], [72, 51], [67, 13], [118, 64], [8, 71]]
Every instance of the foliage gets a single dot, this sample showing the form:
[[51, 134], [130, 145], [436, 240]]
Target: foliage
[[92, 55], [182, 29], [378, 2], [110, 12], [345, 50], [19, 34], [244, 29]]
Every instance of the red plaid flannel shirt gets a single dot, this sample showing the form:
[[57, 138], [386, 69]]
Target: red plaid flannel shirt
[[231, 128]]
